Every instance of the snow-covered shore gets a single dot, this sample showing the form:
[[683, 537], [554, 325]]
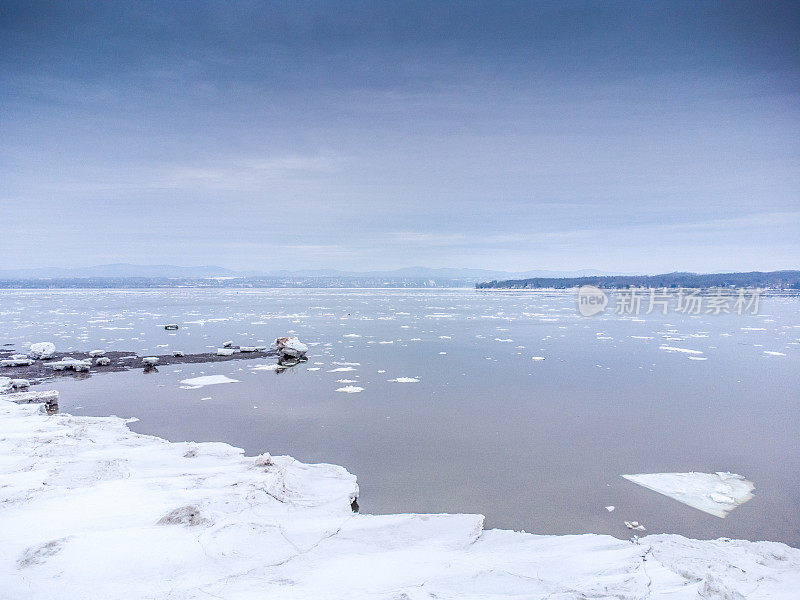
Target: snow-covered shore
[[90, 509]]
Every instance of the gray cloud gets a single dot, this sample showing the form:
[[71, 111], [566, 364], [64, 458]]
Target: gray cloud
[[628, 137]]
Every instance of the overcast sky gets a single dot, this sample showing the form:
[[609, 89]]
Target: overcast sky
[[564, 135]]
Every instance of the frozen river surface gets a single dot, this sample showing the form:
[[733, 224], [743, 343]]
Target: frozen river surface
[[438, 400]]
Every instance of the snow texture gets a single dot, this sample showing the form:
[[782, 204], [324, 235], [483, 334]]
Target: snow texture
[[91, 510]]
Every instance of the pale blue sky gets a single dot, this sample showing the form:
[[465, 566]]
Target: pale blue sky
[[566, 135]]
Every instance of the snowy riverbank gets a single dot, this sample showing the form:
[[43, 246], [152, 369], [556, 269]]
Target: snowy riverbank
[[93, 510]]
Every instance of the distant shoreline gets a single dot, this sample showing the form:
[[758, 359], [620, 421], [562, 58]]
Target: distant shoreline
[[772, 280]]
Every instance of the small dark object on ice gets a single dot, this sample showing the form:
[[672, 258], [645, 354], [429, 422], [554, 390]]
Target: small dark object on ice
[[171, 327]]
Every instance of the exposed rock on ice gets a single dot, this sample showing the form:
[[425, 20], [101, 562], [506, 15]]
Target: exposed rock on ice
[[177, 353], [714, 493], [290, 346], [185, 515], [139, 517], [198, 382], [42, 350], [264, 460]]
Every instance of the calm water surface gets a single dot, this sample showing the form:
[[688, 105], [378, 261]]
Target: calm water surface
[[533, 445]]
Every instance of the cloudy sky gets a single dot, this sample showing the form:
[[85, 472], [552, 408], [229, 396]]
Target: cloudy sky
[[543, 135]]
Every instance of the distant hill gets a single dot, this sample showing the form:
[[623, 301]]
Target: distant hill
[[772, 279], [116, 270], [125, 270]]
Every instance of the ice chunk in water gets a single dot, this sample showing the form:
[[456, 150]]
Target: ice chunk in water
[[714, 493], [42, 350], [350, 389], [197, 382]]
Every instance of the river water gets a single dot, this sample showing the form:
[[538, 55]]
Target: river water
[[535, 445]]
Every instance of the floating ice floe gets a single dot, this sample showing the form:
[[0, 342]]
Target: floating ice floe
[[405, 380], [714, 493], [683, 350], [269, 367], [5, 384], [194, 383], [42, 350], [635, 525], [537, 358], [189, 520], [773, 353], [350, 389], [20, 384], [341, 369], [102, 361]]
